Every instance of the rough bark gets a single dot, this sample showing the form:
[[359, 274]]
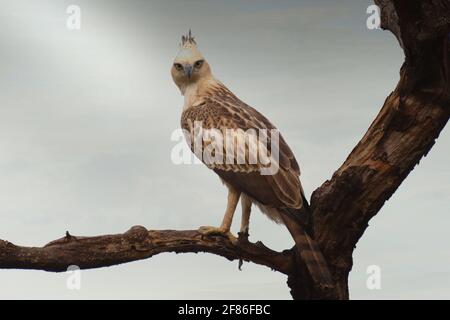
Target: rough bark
[[403, 132], [136, 244]]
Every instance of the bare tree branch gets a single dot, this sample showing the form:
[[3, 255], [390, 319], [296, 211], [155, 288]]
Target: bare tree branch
[[136, 244]]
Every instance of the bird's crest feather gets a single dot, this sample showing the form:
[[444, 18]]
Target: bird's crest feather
[[188, 41]]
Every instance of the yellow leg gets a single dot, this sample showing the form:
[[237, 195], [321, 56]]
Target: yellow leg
[[224, 229], [246, 203]]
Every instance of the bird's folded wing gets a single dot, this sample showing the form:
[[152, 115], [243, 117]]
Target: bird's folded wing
[[244, 148]]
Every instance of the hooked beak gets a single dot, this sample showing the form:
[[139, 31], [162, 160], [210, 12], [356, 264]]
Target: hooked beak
[[188, 70]]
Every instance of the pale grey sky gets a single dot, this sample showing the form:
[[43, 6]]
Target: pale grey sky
[[86, 118]]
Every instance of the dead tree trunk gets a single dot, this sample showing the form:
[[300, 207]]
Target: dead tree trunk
[[404, 131]]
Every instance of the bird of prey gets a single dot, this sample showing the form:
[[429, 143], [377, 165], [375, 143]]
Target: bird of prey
[[279, 195]]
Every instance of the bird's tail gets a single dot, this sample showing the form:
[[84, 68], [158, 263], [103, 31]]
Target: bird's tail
[[307, 247]]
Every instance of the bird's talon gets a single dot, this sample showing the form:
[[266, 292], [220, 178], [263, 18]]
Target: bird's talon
[[210, 231], [214, 231], [243, 236]]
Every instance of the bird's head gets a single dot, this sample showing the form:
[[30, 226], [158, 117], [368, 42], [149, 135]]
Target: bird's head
[[189, 65]]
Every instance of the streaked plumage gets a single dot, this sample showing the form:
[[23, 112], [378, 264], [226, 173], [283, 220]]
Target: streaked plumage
[[280, 195], [219, 108]]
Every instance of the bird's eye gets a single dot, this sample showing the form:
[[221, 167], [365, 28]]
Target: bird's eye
[[178, 66], [198, 64]]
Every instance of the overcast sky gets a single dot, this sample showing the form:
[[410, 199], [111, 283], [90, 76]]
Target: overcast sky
[[86, 118]]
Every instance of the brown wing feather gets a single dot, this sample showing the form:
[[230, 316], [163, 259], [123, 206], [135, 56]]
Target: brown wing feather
[[222, 110]]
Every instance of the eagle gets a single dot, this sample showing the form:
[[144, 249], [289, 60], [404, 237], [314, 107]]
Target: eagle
[[209, 106]]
